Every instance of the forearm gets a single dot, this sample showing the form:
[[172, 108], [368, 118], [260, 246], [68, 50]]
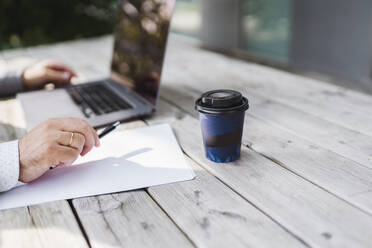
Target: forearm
[[9, 165], [10, 80]]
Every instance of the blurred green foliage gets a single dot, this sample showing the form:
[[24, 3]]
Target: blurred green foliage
[[27, 23]]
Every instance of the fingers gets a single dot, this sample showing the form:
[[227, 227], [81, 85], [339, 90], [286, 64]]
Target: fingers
[[76, 140], [37, 75], [79, 126], [50, 144], [55, 65], [66, 155], [59, 77], [96, 138], [58, 72], [85, 130]]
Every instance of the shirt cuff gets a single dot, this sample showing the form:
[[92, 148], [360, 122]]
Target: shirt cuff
[[9, 165]]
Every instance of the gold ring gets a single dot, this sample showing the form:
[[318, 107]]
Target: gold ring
[[71, 139]]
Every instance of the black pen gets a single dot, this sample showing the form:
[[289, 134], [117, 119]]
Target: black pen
[[109, 129]]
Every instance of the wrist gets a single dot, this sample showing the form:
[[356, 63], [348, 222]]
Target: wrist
[[20, 177], [24, 80], [24, 173]]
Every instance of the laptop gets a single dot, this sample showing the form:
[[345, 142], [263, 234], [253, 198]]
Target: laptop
[[140, 38]]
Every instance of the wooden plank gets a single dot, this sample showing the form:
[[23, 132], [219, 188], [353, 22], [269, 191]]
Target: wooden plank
[[345, 142], [311, 213], [128, 219], [13, 53], [208, 70], [343, 177], [47, 225], [12, 124], [205, 208], [86, 53], [212, 215], [94, 56], [40, 226]]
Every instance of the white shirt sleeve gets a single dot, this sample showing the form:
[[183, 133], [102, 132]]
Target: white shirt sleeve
[[9, 165]]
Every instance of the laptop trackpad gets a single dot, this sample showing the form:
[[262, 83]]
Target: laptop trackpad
[[41, 105]]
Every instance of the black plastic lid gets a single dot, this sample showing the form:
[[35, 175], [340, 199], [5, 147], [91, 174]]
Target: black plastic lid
[[220, 102]]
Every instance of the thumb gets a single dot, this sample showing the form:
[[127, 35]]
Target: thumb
[[58, 76]]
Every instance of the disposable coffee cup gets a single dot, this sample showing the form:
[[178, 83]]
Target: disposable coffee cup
[[221, 114]]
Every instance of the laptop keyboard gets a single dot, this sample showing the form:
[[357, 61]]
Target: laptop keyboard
[[96, 99]]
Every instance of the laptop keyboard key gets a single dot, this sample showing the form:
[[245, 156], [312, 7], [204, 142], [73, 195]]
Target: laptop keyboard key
[[75, 96], [97, 99]]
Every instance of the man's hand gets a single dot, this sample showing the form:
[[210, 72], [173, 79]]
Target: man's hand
[[47, 71], [48, 144]]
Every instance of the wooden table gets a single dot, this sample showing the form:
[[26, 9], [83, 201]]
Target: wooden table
[[304, 178]]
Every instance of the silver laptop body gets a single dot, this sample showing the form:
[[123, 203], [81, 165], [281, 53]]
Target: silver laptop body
[[136, 66]]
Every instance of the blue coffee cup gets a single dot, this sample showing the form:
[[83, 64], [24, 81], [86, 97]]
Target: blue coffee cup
[[221, 114]]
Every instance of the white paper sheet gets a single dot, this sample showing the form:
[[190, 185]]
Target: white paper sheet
[[126, 160]]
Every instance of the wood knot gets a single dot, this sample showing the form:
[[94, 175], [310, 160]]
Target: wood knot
[[327, 235]]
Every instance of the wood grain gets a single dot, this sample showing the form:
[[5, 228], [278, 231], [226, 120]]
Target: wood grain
[[130, 219], [291, 201], [205, 208], [46, 225], [212, 215], [343, 141]]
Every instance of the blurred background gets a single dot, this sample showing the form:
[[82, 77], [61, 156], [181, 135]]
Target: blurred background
[[326, 39]]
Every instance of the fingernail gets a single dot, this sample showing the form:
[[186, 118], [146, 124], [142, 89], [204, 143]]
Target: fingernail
[[66, 75], [98, 143]]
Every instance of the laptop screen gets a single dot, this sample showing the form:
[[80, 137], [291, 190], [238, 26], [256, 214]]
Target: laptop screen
[[140, 41]]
